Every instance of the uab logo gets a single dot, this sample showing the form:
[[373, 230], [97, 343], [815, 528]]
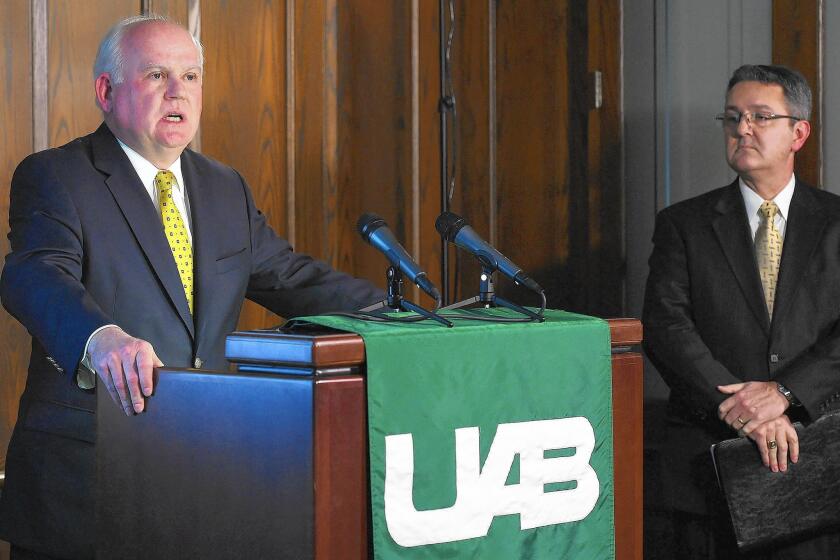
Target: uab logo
[[481, 491]]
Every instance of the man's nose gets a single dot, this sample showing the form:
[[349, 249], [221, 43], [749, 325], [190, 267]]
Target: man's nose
[[744, 125], [175, 88]]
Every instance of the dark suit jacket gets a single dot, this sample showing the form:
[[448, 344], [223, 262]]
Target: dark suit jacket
[[706, 323], [87, 250]]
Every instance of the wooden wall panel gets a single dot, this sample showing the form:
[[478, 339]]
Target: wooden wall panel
[[374, 124], [244, 119], [313, 66], [473, 194], [797, 39], [605, 281], [567, 282], [74, 34], [15, 144], [537, 216], [428, 140], [558, 157], [177, 10]]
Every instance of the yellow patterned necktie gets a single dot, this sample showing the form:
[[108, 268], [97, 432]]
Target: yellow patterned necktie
[[176, 232], [768, 251]]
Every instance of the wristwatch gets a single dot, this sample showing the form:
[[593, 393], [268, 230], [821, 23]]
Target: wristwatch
[[788, 395]]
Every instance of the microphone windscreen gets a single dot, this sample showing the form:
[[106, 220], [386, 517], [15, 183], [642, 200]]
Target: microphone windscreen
[[368, 223], [448, 225]]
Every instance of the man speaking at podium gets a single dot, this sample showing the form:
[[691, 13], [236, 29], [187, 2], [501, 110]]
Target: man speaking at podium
[[130, 251], [742, 310]]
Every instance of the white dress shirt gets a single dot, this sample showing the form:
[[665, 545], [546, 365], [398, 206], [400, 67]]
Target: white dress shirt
[[146, 170], [753, 202]]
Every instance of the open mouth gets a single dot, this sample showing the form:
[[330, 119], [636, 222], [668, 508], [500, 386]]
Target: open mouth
[[173, 117]]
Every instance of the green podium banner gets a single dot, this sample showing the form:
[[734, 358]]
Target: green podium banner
[[489, 440]]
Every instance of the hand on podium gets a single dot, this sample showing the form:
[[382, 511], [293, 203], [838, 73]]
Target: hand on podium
[[125, 365]]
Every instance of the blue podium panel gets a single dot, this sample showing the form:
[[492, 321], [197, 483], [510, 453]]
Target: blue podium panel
[[219, 466]]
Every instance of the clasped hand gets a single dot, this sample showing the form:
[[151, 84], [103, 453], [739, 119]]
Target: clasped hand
[[756, 409], [125, 365]]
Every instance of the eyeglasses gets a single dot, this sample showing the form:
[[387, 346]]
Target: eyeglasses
[[730, 121]]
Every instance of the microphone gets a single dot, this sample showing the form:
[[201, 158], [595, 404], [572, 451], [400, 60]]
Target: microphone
[[375, 231], [454, 229]]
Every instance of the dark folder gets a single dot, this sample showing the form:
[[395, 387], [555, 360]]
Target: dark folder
[[768, 507]]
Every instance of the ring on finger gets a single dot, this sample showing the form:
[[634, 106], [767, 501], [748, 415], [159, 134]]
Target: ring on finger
[[771, 444], [742, 422]]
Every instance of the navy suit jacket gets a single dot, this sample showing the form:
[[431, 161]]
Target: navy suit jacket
[[706, 323], [88, 249]]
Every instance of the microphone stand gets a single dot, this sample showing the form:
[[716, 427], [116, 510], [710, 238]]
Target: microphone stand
[[487, 298], [396, 302]]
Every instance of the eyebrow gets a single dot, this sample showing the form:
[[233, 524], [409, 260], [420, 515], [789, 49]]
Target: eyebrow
[[752, 108], [152, 66]]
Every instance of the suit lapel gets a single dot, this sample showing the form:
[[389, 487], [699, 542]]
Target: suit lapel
[[805, 224], [203, 258], [141, 215], [733, 233]]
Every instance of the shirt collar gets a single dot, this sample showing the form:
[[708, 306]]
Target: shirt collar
[[753, 202], [147, 170]]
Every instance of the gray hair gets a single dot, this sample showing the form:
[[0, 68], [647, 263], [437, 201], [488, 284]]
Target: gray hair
[[795, 86], [110, 57]]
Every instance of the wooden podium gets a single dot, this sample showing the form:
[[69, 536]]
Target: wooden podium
[[231, 465]]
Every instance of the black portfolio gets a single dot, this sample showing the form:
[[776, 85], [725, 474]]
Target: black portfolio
[[768, 507]]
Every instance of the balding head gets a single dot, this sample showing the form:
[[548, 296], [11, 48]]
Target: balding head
[[110, 57]]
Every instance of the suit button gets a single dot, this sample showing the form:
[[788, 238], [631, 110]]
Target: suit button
[[774, 358], [198, 363]]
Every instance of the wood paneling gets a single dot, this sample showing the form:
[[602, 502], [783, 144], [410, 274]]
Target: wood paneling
[[538, 219], [15, 144], [374, 130], [605, 280], [244, 117], [797, 39], [312, 168], [177, 10], [558, 169], [568, 284], [472, 197], [428, 140], [74, 35]]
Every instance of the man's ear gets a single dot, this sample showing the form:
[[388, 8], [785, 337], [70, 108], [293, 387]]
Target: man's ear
[[104, 92], [801, 132]]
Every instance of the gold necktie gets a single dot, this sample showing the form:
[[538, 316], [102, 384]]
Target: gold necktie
[[768, 251], [176, 233]]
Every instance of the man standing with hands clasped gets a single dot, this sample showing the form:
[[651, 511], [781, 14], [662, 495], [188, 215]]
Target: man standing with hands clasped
[[130, 251], [742, 311]]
